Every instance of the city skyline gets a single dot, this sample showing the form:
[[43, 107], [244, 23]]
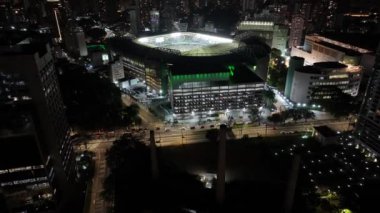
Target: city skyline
[[189, 106]]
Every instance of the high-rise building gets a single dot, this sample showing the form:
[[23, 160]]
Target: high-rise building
[[36, 152], [368, 126], [75, 39], [294, 64], [247, 5], [276, 36], [296, 31], [155, 20], [56, 17]]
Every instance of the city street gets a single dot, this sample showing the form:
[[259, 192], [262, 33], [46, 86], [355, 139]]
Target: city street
[[99, 147], [178, 136]]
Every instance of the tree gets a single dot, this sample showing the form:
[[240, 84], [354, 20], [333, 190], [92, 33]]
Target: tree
[[275, 118], [131, 186], [339, 104], [297, 114], [91, 102], [130, 115], [307, 114], [255, 114], [212, 135], [277, 70], [269, 98], [96, 33]]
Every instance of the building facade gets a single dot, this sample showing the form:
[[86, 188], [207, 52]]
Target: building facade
[[36, 142], [205, 93], [296, 31], [275, 36], [310, 83], [368, 126], [319, 49]]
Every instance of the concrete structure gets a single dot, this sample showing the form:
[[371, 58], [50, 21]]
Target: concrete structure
[[247, 5], [296, 31], [200, 74], [36, 151], [276, 36], [368, 126], [155, 20], [320, 49], [325, 135], [312, 83], [295, 63], [117, 71], [75, 40]]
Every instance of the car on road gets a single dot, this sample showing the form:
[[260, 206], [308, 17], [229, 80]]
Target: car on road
[[157, 128], [202, 127], [212, 126], [193, 127]]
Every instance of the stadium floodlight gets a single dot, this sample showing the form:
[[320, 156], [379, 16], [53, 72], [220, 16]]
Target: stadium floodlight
[[160, 40], [143, 40], [175, 34]]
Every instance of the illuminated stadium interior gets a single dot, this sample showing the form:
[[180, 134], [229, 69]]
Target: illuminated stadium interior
[[190, 44]]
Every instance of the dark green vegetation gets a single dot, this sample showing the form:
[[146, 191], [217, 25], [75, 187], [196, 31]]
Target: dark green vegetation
[[131, 186], [340, 104], [333, 177], [269, 98], [255, 180], [294, 114], [277, 70], [93, 102]]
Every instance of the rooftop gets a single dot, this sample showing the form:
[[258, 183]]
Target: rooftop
[[327, 67]]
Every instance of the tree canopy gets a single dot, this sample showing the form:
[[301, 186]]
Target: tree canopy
[[131, 186], [92, 102], [269, 98], [339, 104]]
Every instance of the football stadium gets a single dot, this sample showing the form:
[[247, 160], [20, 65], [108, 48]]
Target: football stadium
[[200, 74]]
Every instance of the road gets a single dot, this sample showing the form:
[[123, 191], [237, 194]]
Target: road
[[99, 147], [179, 137], [176, 136], [148, 119]]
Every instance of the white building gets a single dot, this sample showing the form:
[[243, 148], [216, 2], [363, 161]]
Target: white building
[[313, 83], [276, 36], [155, 20], [117, 71], [319, 49]]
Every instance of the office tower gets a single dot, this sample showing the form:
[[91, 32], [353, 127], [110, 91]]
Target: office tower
[[294, 64], [75, 39], [276, 36], [111, 8], [155, 20], [247, 5], [133, 19], [56, 16], [35, 148], [296, 31], [368, 126]]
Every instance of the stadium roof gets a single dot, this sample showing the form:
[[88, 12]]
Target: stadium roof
[[190, 44]]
